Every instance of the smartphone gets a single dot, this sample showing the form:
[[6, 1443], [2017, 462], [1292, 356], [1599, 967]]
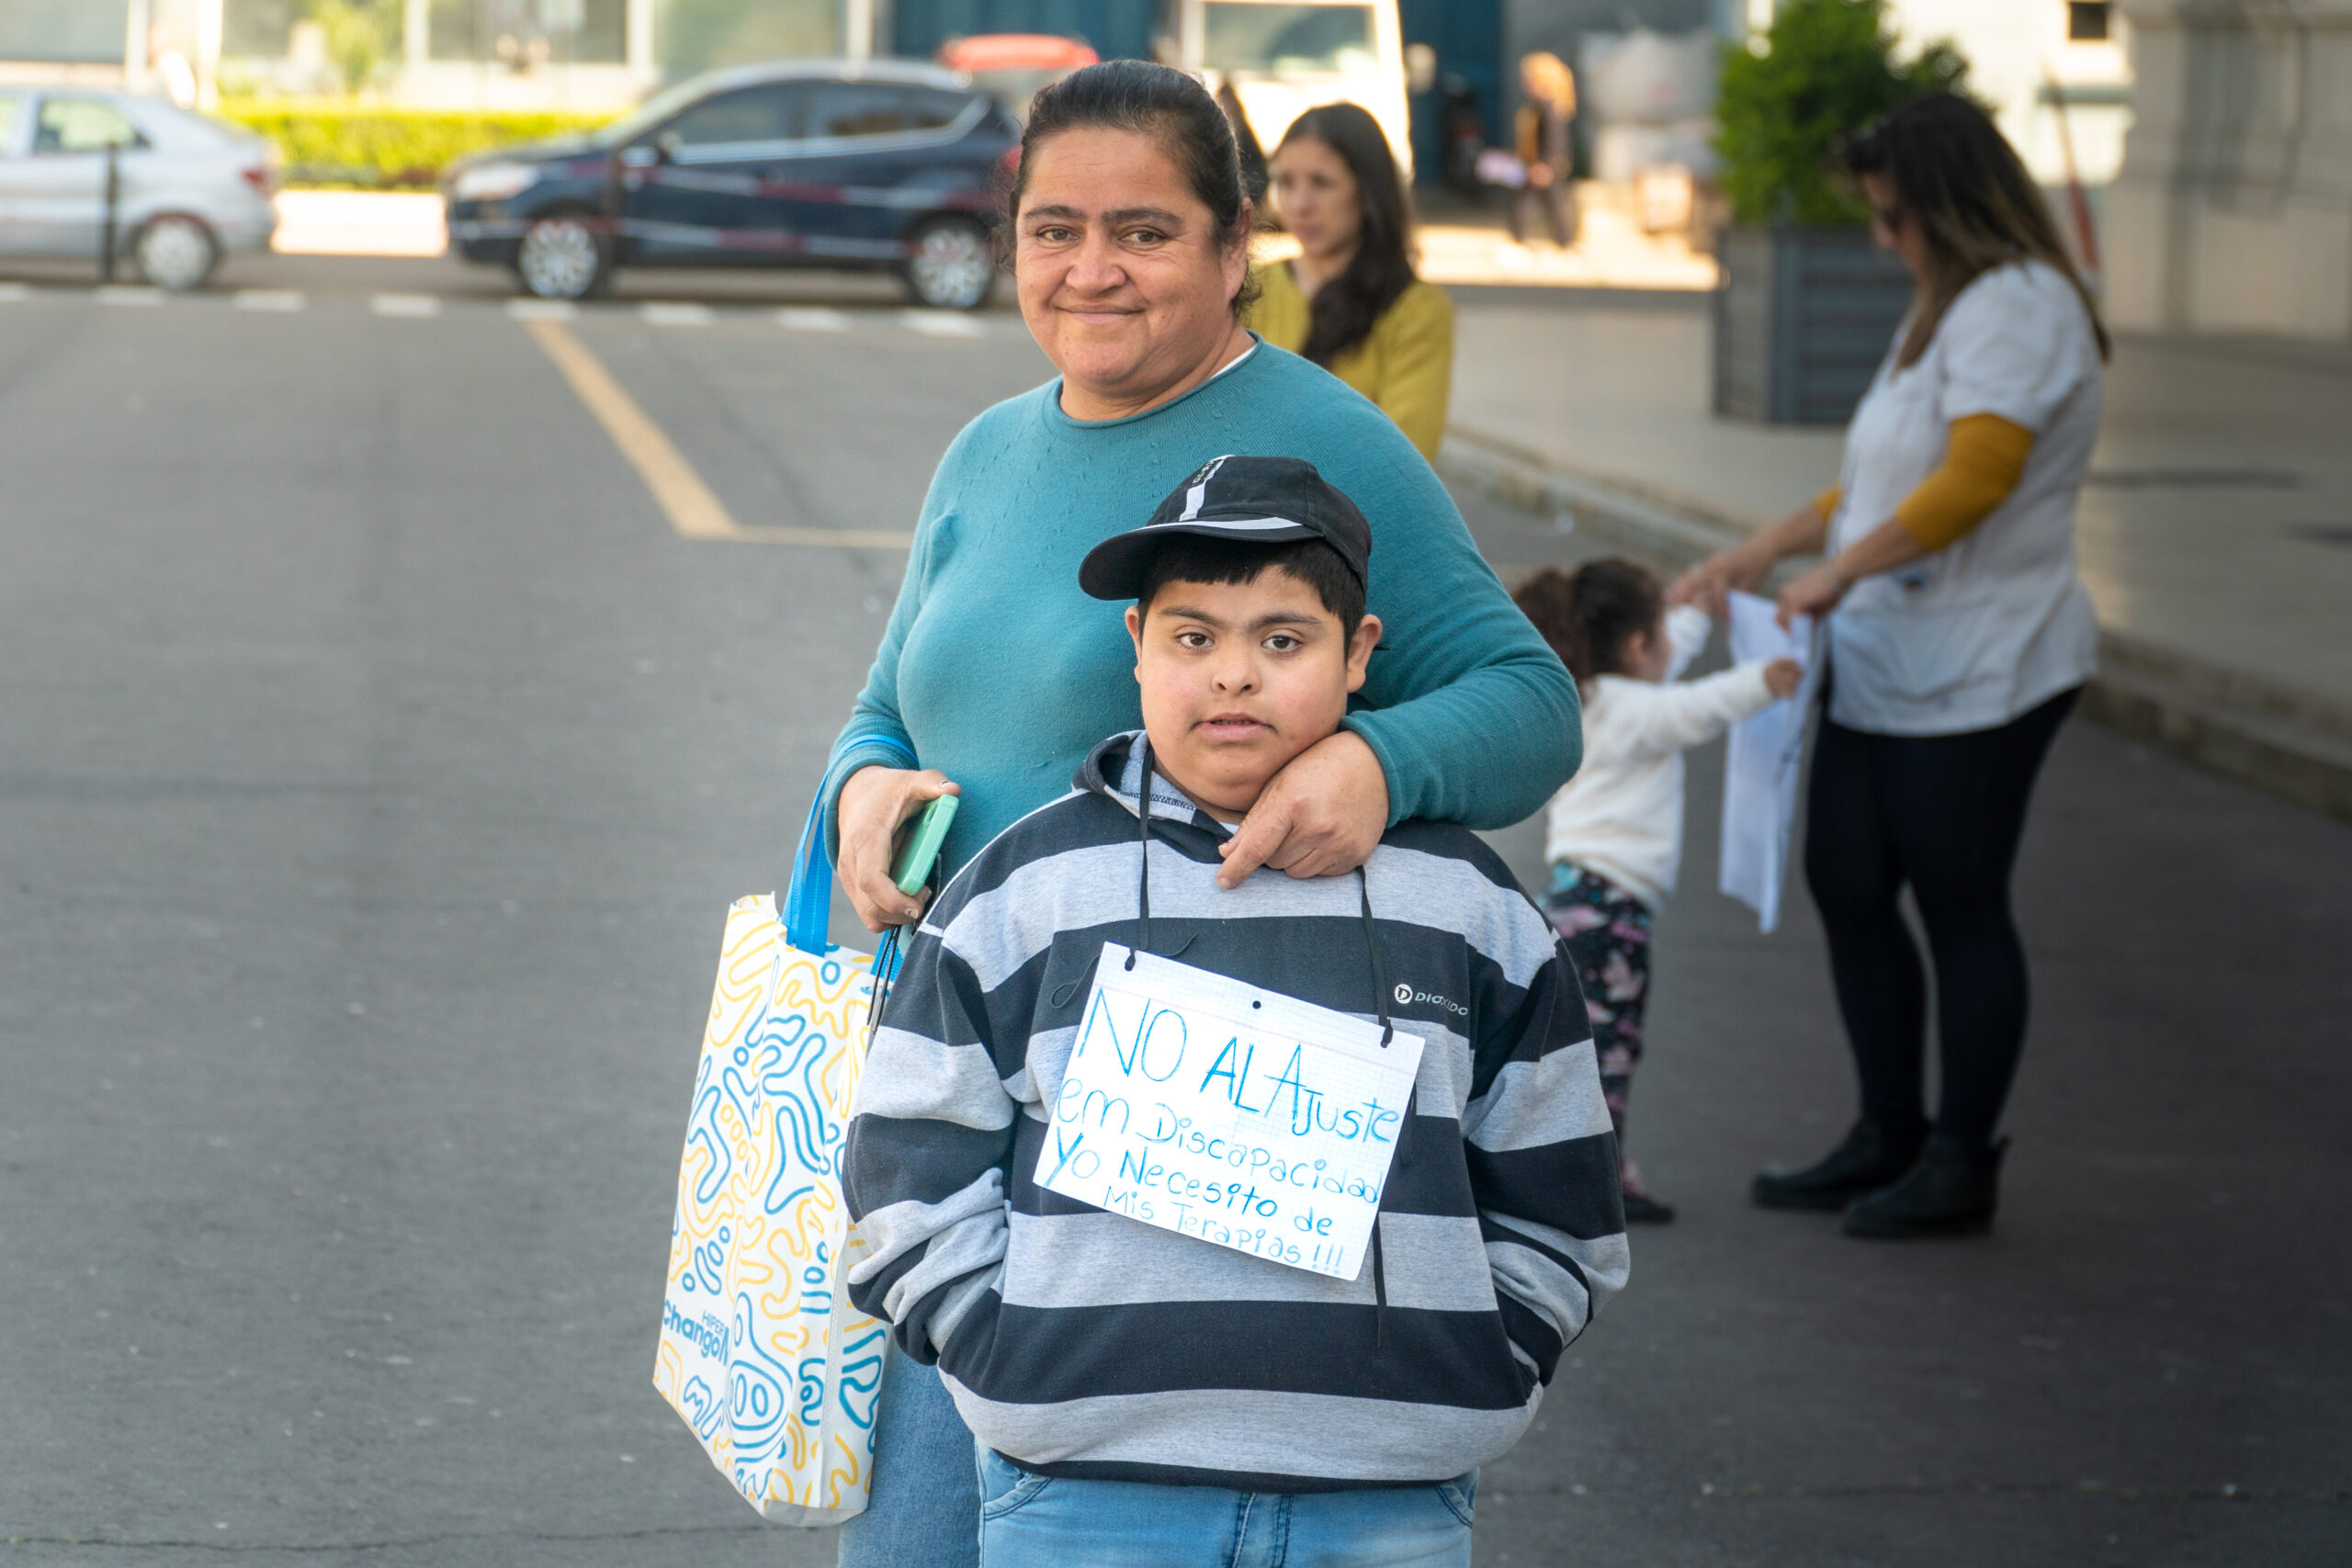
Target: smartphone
[[915, 861]]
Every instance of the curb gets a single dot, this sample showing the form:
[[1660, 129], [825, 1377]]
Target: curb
[[2287, 743]]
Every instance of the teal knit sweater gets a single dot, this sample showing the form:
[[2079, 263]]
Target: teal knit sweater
[[999, 671]]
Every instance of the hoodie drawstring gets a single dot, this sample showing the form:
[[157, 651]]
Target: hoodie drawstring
[[1404, 1124], [1143, 867]]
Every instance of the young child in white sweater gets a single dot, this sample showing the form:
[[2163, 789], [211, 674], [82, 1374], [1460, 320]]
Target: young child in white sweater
[[1613, 834]]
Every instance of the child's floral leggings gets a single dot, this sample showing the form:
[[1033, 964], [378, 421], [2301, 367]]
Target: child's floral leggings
[[1608, 934]]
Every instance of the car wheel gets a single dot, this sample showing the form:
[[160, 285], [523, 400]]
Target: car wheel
[[562, 258], [950, 264], [175, 252]]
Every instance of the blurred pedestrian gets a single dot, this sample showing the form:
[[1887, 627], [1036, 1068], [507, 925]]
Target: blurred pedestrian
[[1959, 638], [1129, 231], [1545, 150], [169, 76], [1349, 300], [1613, 833]]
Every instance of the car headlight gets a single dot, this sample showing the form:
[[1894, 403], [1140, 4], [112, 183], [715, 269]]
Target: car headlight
[[493, 182]]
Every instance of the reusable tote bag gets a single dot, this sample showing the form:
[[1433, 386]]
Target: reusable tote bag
[[762, 1352]]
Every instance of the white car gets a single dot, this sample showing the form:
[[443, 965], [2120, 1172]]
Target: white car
[[1284, 57], [188, 190]]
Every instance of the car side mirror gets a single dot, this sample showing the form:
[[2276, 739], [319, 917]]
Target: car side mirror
[[669, 144]]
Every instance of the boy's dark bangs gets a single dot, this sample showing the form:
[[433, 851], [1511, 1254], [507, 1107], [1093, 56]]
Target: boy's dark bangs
[[1195, 558]]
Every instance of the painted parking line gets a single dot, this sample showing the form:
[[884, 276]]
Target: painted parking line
[[654, 312], [941, 323], [410, 305], [685, 500], [693, 511], [800, 319]]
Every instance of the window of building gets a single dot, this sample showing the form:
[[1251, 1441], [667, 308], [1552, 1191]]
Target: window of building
[[64, 31], [521, 34], [2087, 20], [259, 29], [694, 35]]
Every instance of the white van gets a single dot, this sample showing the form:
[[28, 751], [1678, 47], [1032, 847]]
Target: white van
[[1284, 57]]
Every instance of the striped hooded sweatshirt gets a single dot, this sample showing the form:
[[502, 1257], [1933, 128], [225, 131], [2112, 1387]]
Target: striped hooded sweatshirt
[[1078, 1342]]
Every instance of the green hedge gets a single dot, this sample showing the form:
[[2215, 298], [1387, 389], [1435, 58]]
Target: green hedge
[[372, 145]]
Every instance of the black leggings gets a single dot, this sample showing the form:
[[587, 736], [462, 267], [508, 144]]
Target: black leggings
[[1942, 812]]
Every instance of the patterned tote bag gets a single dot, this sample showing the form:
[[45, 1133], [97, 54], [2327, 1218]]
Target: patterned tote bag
[[762, 1352]]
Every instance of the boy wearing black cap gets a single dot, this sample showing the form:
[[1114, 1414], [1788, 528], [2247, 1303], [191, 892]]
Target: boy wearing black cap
[[1141, 1394]]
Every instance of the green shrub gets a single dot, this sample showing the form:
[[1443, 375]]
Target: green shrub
[[359, 37], [373, 145], [1825, 70]]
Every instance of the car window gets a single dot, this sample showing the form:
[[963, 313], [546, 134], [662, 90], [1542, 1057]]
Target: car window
[[83, 125], [770, 113], [1278, 39], [881, 109]]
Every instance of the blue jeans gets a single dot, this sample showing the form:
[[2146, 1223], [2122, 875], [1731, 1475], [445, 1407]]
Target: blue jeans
[[925, 1511], [1034, 1521]]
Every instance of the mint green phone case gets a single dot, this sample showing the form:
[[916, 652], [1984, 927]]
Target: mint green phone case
[[913, 868]]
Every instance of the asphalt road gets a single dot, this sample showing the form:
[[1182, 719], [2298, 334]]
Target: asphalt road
[[376, 765]]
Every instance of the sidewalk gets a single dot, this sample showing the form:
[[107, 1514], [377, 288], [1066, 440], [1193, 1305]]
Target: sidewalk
[[360, 224], [2215, 532]]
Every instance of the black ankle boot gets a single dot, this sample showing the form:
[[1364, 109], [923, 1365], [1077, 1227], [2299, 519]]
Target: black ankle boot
[[1950, 1192], [1871, 1156]]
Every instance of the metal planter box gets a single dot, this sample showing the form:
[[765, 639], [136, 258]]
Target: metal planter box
[[1803, 318]]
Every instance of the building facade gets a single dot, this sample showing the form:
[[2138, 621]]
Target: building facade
[[2233, 209], [589, 54]]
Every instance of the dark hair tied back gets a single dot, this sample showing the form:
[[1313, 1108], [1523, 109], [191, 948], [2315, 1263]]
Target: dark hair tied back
[[1957, 179], [1153, 100], [1587, 616], [1346, 308]]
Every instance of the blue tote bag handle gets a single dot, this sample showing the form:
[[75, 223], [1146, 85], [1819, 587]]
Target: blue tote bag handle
[[808, 904]]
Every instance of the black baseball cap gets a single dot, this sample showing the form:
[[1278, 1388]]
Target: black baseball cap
[[1259, 500]]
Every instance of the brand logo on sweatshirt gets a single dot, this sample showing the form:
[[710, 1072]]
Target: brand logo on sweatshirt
[[1406, 997]]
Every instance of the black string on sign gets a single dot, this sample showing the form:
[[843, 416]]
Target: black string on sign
[[1379, 970], [1143, 841]]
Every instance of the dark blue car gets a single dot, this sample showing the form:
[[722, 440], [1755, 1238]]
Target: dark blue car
[[878, 166]]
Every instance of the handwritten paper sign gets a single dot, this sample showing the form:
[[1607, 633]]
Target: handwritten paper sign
[[1213, 1109]]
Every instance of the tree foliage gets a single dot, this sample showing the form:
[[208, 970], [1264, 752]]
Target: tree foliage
[[359, 35], [1825, 70]]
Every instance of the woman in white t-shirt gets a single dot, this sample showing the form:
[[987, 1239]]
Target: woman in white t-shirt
[[1959, 638]]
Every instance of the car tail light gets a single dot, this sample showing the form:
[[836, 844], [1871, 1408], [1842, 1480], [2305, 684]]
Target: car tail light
[[257, 176], [1008, 167]]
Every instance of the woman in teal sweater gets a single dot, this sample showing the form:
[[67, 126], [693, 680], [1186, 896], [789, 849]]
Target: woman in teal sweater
[[997, 674]]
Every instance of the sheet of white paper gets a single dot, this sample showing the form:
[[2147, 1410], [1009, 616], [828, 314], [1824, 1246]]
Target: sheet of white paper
[[1213, 1109], [1761, 760]]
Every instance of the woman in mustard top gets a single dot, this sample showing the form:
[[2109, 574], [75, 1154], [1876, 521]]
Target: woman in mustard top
[[1349, 302]]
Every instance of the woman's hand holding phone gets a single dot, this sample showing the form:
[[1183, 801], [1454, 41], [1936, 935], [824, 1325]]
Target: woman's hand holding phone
[[875, 804]]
